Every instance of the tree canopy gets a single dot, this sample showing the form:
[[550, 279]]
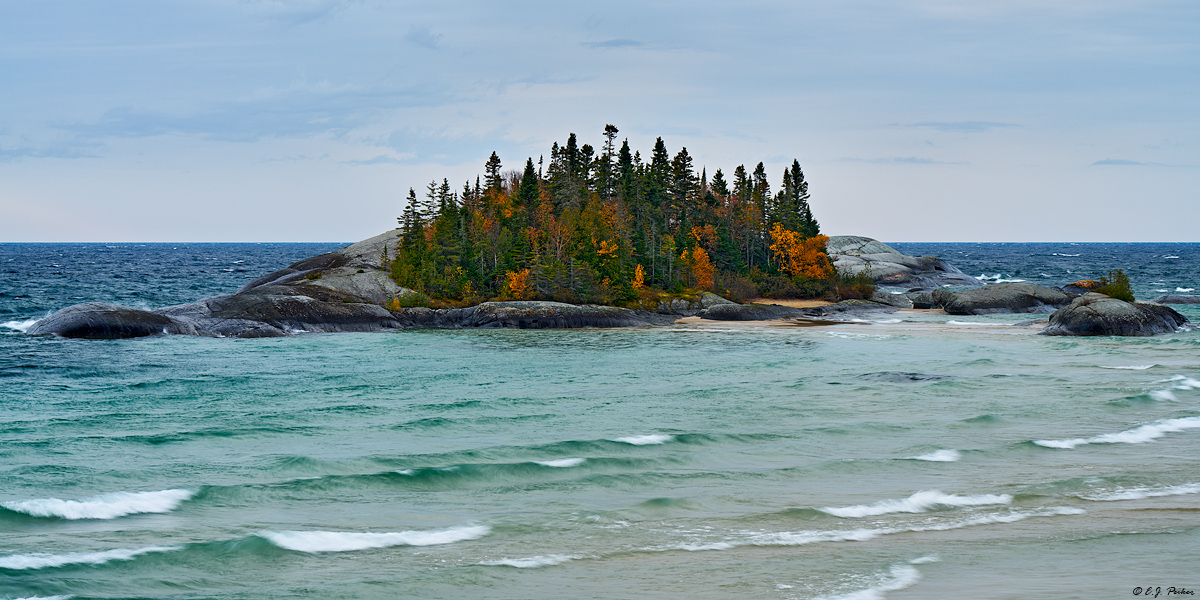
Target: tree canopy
[[606, 227]]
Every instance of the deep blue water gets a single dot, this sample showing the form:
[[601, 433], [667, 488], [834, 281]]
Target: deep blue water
[[919, 455]]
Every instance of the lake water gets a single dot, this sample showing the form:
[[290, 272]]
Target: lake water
[[915, 456]]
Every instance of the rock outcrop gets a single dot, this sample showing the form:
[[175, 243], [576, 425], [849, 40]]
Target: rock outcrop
[[1001, 298], [1177, 299], [1097, 314], [888, 267]]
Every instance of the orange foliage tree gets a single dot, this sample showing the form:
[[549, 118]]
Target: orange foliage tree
[[639, 278], [518, 284], [800, 257], [702, 268]]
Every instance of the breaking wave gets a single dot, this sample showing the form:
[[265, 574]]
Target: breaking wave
[[104, 506], [41, 560], [940, 456], [898, 578], [1137, 435], [646, 440], [916, 503], [1143, 492], [532, 562], [339, 541]]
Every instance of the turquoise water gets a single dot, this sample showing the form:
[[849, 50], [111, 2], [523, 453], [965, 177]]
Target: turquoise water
[[916, 456]]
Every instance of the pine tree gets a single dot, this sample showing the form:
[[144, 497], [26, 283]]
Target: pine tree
[[492, 167]]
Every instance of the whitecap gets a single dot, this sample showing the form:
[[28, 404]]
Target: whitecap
[[1144, 492], [1185, 383], [1164, 256], [1164, 396], [940, 456], [405, 472], [1183, 289], [42, 560], [58, 597], [918, 502], [344, 541], [646, 440], [900, 577], [800, 538], [21, 326], [977, 324], [562, 462], [104, 506], [1130, 367], [1137, 435], [1059, 254], [532, 562], [924, 560], [1164, 290]]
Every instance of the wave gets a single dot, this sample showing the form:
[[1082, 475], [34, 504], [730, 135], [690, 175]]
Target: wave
[[42, 560], [104, 506], [1131, 367], [532, 562], [953, 322], [1061, 254], [58, 597], [1184, 383], [342, 541], [21, 326], [562, 462], [1138, 435], [898, 578], [916, 503], [940, 456], [646, 440], [1144, 492], [1183, 289]]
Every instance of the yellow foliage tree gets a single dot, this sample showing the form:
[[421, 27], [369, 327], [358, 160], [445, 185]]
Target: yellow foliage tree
[[798, 256], [518, 284], [639, 278]]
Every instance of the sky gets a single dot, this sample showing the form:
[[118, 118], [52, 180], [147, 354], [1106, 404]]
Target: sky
[[309, 120]]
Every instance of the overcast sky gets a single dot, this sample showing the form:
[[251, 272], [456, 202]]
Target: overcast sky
[[308, 120]]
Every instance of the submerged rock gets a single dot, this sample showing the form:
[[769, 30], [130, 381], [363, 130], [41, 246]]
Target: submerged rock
[[1001, 298], [885, 266], [1097, 314], [749, 312], [1177, 299]]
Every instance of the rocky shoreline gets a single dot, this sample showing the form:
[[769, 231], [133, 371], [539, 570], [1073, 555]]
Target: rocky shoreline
[[347, 290]]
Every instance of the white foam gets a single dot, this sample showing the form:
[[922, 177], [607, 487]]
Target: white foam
[[702, 547], [344, 541], [900, 577], [1059, 254], [1138, 435], [1162, 290], [1182, 383], [940, 456], [405, 471], [1144, 492], [953, 322], [59, 597], [916, 503], [646, 440], [1165, 256], [104, 506], [562, 462], [1164, 395], [532, 562], [21, 326], [800, 538], [1131, 367], [1182, 289], [41, 560], [924, 560]]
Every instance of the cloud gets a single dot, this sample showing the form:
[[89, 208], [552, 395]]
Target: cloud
[[423, 37], [1118, 161], [962, 126], [382, 159], [903, 160], [617, 43], [296, 12]]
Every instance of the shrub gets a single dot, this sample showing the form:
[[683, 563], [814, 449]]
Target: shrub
[[408, 299], [1116, 285], [852, 287], [313, 276]]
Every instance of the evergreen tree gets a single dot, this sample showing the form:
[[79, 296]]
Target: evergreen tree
[[492, 167], [718, 185]]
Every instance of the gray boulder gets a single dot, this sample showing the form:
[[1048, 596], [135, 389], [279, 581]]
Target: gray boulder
[[749, 312], [1177, 299], [1001, 298], [101, 320], [1097, 314], [855, 254], [548, 315], [849, 308]]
